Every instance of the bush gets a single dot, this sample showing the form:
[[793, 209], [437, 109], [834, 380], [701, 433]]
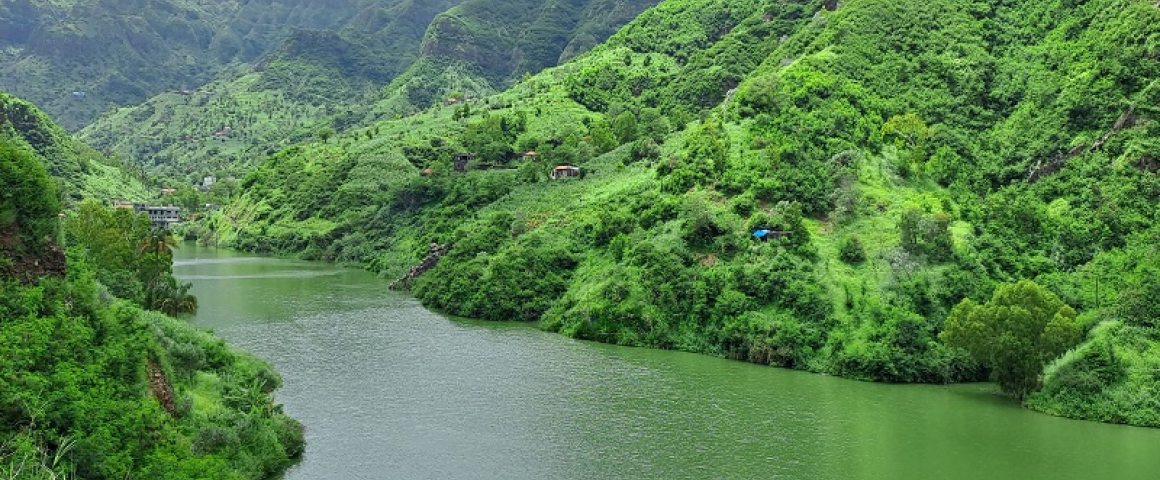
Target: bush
[[851, 250]]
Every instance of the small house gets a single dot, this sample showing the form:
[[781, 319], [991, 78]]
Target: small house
[[564, 171], [168, 191], [206, 183], [461, 160], [427, 172]]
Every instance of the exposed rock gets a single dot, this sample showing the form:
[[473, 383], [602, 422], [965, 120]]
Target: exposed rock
[[160, 386], [428, 263]]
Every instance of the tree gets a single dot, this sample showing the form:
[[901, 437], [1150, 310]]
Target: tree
[[624, 127], [911, 133], [1015, 334], [909, 130], [851, 250], [28, 199], [1139, 304], [324, 134], [158, 242], [602, 136]]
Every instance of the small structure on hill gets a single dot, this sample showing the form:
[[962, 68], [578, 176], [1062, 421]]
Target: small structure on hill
[[161, 217], [168, 191], [427, 172], [461, 160], [765, 235], [206, 183], [564, 171]]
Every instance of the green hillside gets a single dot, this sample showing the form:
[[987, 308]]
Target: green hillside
[[93, 386], [80, 171], [287, 96], [115, 53], [909, 155], [386, 62]]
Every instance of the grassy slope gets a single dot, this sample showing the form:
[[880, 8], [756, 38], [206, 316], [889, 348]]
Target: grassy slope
[[652, 248]]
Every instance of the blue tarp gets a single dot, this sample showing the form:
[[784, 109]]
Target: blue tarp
[[761, 233]]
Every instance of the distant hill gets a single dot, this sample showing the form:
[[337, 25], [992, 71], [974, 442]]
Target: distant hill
[[115, 53], [393, 58], [81, 171]]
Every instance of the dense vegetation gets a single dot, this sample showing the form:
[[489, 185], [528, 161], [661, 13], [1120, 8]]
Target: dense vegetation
[[398, 58], [92, 385], [119, 52], [75, 167], [909, 155]]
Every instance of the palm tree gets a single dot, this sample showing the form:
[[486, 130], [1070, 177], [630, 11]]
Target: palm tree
[[172, 299], [158, 241]]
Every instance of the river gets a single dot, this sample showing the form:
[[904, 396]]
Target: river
[[390, 390]]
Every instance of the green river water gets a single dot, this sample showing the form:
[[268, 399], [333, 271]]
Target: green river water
[[390, 390]]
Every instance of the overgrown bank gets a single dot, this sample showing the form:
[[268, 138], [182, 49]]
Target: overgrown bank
[[91, 384]]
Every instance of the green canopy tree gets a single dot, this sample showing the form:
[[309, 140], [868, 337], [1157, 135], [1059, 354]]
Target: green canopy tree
[[1015, 334]]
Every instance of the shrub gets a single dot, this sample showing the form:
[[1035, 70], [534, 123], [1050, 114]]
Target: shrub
[[851, 250]]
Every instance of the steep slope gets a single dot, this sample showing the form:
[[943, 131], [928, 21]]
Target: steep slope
[[120, 52], [905, 156], [482, 46], [82, 171], [317, 79], [383, 63], [94, 387]]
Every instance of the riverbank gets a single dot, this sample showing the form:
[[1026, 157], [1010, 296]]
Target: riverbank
[[388, 389]]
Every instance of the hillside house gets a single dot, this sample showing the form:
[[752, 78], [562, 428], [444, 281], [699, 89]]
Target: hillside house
[[161, 217], [564, 171], [461, 160], [206, 183]]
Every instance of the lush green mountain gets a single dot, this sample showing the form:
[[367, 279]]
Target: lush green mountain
[[80, 170], [120, 52], [907, 155], [384, 63], [314, 77], [92, 386]]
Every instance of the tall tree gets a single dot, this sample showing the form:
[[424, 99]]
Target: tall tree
[[1015, 334]]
